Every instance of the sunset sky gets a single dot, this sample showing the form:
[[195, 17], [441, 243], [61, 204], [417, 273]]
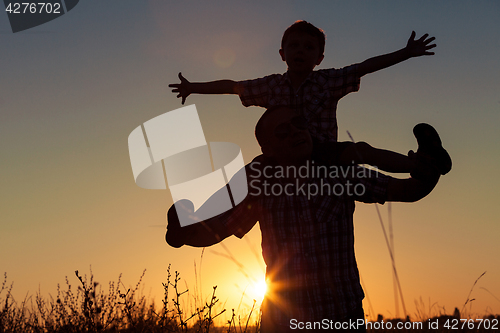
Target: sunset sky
[[73, 89]]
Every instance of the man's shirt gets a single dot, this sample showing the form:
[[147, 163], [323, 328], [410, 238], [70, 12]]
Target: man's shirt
[[316, 98], [307, 237]]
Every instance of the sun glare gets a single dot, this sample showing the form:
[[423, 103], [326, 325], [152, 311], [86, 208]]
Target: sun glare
[[259, 290]]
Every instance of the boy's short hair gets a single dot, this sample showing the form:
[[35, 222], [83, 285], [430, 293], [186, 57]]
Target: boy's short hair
[[303, 26]]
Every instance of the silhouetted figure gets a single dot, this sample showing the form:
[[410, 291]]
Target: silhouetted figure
[[307, 238]]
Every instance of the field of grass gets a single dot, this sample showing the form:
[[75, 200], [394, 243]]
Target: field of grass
[[92, 307]]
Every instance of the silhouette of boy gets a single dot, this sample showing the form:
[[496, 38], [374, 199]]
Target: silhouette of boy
[[315, 94]]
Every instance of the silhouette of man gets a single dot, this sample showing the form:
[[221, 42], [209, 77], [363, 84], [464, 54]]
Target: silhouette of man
[[305, 211]]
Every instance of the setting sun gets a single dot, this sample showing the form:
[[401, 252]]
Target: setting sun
[[259, 289]]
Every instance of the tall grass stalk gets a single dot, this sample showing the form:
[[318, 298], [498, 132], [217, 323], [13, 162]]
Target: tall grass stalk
[[391, 238], [469, 300], [395, 272]]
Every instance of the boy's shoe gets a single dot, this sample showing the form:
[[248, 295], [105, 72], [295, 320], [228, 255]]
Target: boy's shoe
[[430, 148]]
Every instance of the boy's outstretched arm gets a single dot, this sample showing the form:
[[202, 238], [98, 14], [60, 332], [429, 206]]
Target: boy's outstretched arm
[[185, 88], [414, 48]]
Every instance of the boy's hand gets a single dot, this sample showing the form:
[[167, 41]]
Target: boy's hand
[[414, 48], [419, 47], [182, 88]]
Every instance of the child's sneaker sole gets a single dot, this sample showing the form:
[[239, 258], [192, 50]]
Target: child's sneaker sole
[[429, 144]]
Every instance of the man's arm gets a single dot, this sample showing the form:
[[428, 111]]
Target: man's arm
[[205, 232], [414, 189], [200, 234], [185, 88], [414, 48], [409, 190]]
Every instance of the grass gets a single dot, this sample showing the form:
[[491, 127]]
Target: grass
[[90, 308]]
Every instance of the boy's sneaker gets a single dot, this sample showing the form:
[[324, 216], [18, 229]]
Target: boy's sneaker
[[430, 148]]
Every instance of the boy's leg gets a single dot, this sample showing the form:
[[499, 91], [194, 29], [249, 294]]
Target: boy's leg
[[386, 160], [429, 147]]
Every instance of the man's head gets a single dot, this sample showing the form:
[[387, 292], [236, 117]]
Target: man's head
[[283, 136], [302, 46]]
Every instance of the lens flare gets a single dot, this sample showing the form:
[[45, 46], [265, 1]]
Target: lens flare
[[259, 290]]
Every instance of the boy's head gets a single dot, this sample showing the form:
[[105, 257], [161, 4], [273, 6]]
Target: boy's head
[[308, 28], [302, 47]]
